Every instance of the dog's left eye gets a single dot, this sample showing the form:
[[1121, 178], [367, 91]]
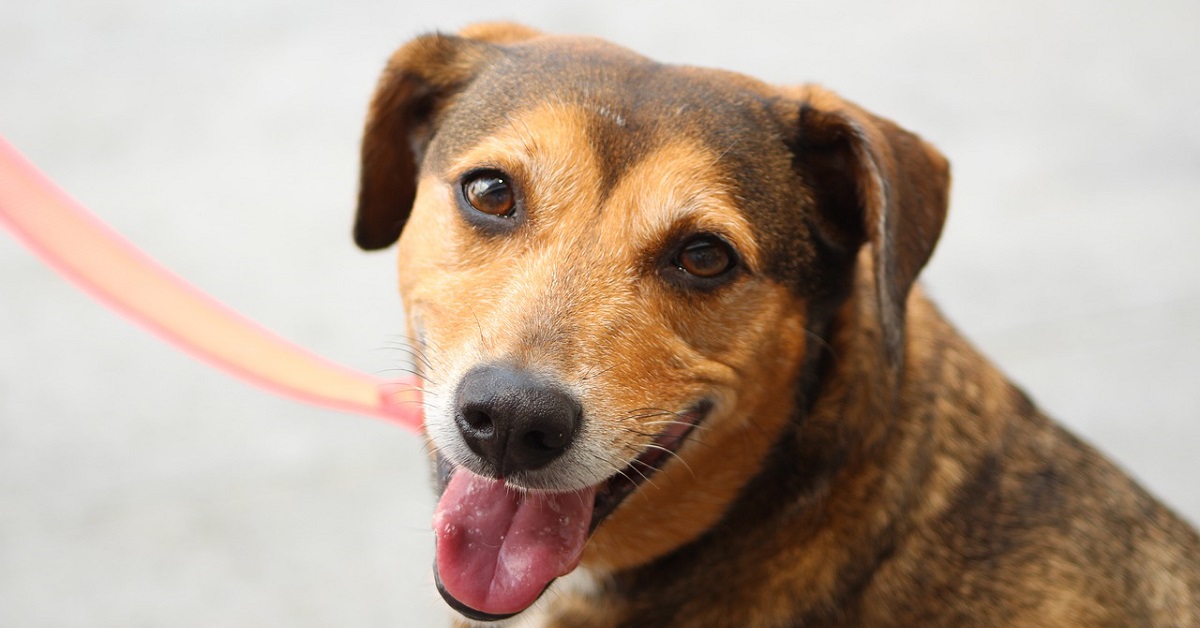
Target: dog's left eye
[[490, 192]]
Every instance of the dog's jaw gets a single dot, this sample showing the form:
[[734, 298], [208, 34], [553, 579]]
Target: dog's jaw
[[500, 546]]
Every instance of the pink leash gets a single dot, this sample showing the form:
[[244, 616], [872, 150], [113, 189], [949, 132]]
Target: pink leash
[[96, 258]]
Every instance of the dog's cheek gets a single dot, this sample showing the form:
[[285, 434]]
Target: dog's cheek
[[763, 351], [427, 237], [732, 328], [431, 286], [434, 280]]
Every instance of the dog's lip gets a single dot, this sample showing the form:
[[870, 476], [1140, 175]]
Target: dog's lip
[[613, 491]]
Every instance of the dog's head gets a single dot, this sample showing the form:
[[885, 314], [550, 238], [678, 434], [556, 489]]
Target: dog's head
[[617, 275]]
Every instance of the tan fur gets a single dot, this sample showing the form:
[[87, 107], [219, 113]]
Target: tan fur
[[862, 464]]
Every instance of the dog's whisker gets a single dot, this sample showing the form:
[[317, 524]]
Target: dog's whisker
[[416, 356], [643, 417], [652, 415], [408, 403], [672, 454], [416, 350], [619, 468], [647, 475], [479, 326], [414, 372], [642, 413], [640, 433], [426, 398], [653, 411], [684, 419], [405, 342], [591, 375]]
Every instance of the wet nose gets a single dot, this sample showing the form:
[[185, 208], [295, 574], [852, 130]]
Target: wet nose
[[513, 420]]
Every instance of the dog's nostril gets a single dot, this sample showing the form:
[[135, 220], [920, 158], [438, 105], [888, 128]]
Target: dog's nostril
[[546, 441], [479, 422]]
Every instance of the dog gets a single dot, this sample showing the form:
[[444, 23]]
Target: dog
[[674, 351]]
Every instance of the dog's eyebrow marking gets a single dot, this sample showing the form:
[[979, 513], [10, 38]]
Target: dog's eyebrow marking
[[679, 185], [546, 148]]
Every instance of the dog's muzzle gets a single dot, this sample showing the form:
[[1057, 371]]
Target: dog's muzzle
[[499, 546]]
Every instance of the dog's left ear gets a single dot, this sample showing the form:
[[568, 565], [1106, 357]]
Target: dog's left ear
[[876, 184], [421, 78]]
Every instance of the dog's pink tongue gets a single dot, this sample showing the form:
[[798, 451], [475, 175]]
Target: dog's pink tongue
[[498, 548]]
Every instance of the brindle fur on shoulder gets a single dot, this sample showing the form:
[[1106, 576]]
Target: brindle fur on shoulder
[[674, 352]]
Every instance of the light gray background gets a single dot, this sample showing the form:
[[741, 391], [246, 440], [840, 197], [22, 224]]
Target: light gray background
[[140, 488]]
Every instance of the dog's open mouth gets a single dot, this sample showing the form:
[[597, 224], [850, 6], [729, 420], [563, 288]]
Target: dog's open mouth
[[499, 547]]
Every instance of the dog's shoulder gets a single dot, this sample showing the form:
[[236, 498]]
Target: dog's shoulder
[[1016, 519]]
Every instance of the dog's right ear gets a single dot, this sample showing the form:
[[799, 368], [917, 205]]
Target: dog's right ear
[[420, 79]]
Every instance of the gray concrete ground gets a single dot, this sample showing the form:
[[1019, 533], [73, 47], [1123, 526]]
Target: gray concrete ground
[[140, 488]]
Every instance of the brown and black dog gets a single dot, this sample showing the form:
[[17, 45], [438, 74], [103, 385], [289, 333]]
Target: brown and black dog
[[673, 347]]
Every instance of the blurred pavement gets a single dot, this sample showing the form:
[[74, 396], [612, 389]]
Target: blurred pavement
[[140, 488]]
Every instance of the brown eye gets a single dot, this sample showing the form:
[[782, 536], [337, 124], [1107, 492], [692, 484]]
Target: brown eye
[[706, 257], [489, 191]]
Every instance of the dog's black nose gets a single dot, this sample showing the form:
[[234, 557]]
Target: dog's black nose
[[512, 420]]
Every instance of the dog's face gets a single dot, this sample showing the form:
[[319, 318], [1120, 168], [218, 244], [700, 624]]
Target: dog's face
[[614, 272]]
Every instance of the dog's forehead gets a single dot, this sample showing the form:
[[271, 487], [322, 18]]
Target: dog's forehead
[[635, 104]]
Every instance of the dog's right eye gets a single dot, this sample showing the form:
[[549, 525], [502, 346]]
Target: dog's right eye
[[703, 261], [489, 192], [705, 257]]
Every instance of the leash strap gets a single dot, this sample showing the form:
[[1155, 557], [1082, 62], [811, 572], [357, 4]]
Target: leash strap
[[73, 241]]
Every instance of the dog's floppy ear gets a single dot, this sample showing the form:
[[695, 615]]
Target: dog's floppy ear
[[875, 184], [420, 79]]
